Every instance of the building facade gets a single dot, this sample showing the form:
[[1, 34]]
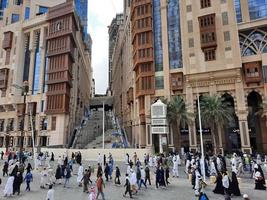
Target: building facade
[[113, 32], [217, 48], [42, 45]]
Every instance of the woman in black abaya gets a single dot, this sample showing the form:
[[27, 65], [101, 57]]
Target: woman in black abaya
[[219, 186], [234, 186]]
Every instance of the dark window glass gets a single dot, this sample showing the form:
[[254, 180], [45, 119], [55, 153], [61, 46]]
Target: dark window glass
[[257, 9], [27, 13], [43, 9], [157, 36], [174, 35], [14, 18]]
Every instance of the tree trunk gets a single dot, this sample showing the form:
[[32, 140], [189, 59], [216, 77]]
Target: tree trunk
[[212, 127]]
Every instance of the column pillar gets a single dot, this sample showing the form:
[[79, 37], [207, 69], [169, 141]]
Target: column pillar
[[244, 133], [192, 127], [244, 10], [242, 114]]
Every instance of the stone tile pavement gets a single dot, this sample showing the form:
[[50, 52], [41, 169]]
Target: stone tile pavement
[[180, 189]]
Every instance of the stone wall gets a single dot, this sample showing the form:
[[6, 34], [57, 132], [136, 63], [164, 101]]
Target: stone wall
[[91, 154]]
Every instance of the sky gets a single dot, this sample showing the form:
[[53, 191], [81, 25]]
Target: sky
[[100, 15]]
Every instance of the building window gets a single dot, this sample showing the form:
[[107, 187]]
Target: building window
[[252, 72], [226, 36], [223, 1], [43, 10], [225, 18], [14, 18], [238, 11], [210, 54], [27, 58], [157, 36], [208, 37], [205, 3], [27, 13], [54, 123], [257, 9], [174, 35], [43, 124], [189, 8], [190, 26], [18, 2], [191, 42], [37, 65], [159, 82], [2, 123], [10, 125], [228, 48]]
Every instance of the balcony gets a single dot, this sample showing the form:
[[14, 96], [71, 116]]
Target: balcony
[[7, 42], [252, 72], [207, 28]]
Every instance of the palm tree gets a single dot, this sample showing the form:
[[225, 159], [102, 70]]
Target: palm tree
[[215, 113], [178, 116]]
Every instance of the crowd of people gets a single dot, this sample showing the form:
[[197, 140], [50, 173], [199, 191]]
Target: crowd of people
[[138, 173]]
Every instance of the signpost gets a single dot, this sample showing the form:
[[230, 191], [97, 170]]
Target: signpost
[[159, 122]]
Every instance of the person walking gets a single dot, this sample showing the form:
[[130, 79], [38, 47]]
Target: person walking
[[138, 177], [167, 174], [175, 169], [147, 171], [127, 186], [106, 171], [80, 175], [58, 175], [67, 176], [2, 155], [85, 180], [8, 191], [28, 179], [5, 169], [234, 185], [50, 193], [142, 180], [99, 170], [259, 178], [17, 183], [226, 185], [52, 157], [117, 177], [100, 187], [89, 174]]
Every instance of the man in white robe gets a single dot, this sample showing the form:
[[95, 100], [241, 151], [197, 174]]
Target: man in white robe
[[80, 175], [8, 191], [175, 169]]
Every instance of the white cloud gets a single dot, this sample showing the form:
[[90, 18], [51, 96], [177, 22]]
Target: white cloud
[[101, 13]]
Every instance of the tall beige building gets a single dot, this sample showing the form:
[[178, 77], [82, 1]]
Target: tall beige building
[[42, 45], [197, 46]]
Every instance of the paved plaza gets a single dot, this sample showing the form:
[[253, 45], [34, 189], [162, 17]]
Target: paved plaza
[[180, 189]]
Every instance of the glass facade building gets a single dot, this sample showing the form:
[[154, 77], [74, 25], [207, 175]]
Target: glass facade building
[[238, 11], [157, 36], [37, 66], [257, 9], [174, 34], [82, 11]]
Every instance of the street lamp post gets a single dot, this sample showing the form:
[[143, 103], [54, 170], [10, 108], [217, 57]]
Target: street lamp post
[[25, 90], [201, 138]]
